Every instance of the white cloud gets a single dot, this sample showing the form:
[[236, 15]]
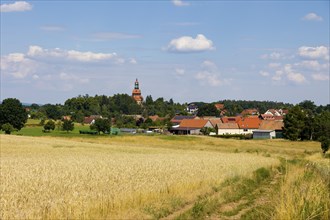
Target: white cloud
[[211, 78], [189, 44], [320, 52], [52, 28], [16, 6], [210, 75], [274, 65], [73, 78], [17, 65], [320, 77], [179, 71], [88, 56], [278, 75], [37, 51], [293, 75], [273, 56], [263, 73], [312, 17], [180, 3], [133, 61]]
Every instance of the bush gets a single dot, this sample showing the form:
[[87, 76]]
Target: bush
[[7, 128]]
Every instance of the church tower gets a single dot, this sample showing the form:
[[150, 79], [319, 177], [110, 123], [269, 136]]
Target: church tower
[[136, 94]]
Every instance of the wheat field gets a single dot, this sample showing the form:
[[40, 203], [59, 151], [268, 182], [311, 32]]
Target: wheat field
[[53, 178]]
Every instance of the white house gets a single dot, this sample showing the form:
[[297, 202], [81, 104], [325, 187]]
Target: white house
[[227, 128]]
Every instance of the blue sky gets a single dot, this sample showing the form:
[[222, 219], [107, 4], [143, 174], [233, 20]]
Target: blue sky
[[185, 50]]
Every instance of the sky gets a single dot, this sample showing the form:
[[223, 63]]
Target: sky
[[185, 50]]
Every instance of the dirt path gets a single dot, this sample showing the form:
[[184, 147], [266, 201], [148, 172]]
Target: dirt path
[[234, 210]]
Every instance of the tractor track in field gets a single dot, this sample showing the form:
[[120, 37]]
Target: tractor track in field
[[262, 195]]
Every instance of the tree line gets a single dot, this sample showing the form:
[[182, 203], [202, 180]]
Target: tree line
[[305, 121]]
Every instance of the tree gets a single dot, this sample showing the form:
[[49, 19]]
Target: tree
[[208, 110], [50, 125], [52, 111], [101, 124], [67, 125], [7, 128], [12, 112], [294, 123], [322, 130], [325, 145]]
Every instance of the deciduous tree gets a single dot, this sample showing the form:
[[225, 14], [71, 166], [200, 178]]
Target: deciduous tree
[[12, 112]]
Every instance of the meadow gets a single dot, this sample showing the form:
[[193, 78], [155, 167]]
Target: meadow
[[153, 177]]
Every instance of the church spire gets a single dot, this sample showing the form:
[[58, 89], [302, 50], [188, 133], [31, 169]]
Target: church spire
[[136, 94], [136, 84]]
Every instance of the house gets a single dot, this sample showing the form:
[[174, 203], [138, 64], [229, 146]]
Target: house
[[191, 126], [264, 134], [192, 108], [248, 125], [231, 119], [277, 112], [219, 106], [272, 112], [215, 121], [251, 111], [91, 119], [227, 128], [276, 126], [178, 118], [267, 117], [156, 118]]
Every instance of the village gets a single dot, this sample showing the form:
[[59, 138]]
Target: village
[[250, 123]]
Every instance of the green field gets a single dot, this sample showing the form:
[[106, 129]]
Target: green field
[[155, 177]]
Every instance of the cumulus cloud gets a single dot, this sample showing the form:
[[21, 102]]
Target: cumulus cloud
[[37, 51], [132, 61], [273, 56], [312, 17], [263, 73], [180, 3], [18, 65], [320, 52], [293, 75], [320, 76], [52, 28], [210, 75], [188, 44], [16, 6], [179, 71]]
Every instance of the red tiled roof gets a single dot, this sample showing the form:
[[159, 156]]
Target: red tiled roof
[[252, 111], [267, 117], [249, 123], [215, 121], [219, 106], [227, 126], [193, 123], [179, 118], [271, 125], [231, 119]]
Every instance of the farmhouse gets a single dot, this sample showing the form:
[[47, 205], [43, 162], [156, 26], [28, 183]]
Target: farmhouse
[[248, 125], [191, 126], [178, 118], [91, 119], [227, 128], [276, 126]]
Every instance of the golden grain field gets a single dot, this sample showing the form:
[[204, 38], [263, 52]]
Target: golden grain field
[[53, 178]]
